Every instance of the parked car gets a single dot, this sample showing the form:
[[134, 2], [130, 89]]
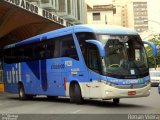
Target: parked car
[[155, 77]]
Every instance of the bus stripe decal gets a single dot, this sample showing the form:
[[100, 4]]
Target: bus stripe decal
[[34, 67], [44, 81]]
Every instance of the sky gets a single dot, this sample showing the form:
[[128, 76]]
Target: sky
[[154, 15]]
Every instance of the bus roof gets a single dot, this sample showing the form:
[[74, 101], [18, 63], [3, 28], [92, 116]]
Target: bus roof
[[105, 29], [101, 29]]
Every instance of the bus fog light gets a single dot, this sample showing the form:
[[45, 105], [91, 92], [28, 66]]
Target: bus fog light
[[149, 91], [107, 92]]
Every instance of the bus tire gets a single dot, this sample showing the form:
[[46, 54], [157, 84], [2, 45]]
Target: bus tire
[[116, 100], [78, 94], [75, 93], [71, 93], [21, 92]]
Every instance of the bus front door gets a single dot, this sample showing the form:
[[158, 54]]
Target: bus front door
[[94, 71]]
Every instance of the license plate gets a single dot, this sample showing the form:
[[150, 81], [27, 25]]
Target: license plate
[[131, 92]]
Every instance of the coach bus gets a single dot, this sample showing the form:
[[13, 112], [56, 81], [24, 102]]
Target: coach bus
[[81, 62]]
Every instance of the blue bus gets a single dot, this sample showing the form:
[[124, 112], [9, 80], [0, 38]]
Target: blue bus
[[81, 62]]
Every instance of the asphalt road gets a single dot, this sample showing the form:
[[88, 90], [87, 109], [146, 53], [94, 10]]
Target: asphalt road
[[41, 105]]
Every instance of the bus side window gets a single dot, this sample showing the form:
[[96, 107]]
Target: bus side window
[[50, 49], [28, 53], [93, 59], [7, 56], [40, 51], [11, 56], [68, 48], [57, 48], [53, 48], [20, 54]]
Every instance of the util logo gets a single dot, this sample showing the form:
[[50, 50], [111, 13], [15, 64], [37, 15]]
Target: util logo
[[14, 75]]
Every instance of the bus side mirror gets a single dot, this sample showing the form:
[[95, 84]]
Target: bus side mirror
[[99, 45], [154, 50]]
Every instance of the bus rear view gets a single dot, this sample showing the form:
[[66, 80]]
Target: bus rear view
[[103, 62]]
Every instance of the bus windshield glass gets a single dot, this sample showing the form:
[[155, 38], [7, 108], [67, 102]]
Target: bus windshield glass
[[125, 55]]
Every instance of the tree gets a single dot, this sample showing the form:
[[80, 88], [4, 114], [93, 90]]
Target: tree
[[156, 41]]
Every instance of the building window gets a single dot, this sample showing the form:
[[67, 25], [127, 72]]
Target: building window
[[44, 1], [96, 16]]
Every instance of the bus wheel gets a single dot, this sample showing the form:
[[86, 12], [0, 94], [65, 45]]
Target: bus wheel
[[116, 101], [22, 95], [71, 93], [75, 93]]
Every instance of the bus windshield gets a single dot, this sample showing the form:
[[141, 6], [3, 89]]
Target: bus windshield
[[125, 55]]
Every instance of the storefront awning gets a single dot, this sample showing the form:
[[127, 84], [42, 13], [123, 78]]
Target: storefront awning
[[20, 19]]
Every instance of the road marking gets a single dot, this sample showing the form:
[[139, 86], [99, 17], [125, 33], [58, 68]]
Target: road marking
[[76, 111]]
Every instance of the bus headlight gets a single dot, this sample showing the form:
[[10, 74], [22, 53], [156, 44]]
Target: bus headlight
[[107, 92], [108, 83], [149, 91]]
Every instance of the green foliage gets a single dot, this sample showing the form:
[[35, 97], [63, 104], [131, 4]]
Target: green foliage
[[149, 53]]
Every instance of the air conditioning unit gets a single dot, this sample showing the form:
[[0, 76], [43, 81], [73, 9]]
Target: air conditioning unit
[[49, 4]]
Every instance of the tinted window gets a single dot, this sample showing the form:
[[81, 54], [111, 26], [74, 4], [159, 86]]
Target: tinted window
[[39, 51], [89, 51], [9, 56], [27, 53], [57, 48], [82, 37], [68, 48], [61, 47], [52, 48], [93, 59]]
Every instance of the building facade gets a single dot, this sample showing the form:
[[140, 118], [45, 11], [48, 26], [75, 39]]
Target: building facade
[[134, 14], [138, 15], [101, 14], [71, 10], [121, 17]]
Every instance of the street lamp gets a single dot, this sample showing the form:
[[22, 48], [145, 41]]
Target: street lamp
[[153, 21]]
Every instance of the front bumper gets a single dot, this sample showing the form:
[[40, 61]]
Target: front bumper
[[112, 92]]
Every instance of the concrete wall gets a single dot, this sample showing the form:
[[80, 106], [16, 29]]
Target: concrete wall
[[105, 17]]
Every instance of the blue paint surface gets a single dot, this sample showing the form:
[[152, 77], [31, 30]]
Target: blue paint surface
[[103, 29], [44, 75]]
